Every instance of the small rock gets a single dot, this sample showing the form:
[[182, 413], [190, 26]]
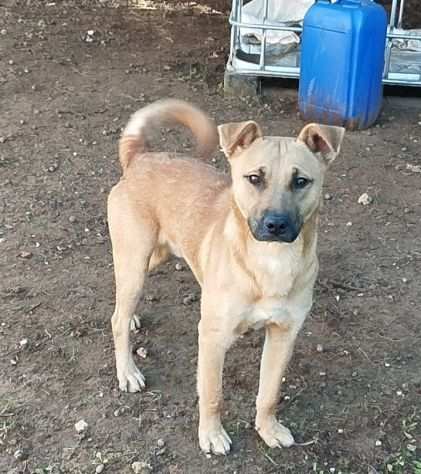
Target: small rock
[[413, 168], [160, 443], [23, 342], [179, 267], [189, 299], [319, 348], [328, 197], [3, 32], [340, 431], [378, 443], [141, 467], [81, 426], [11, 62], [142, 352], [20, 455], [25, 254], [72, 219], [13, 361], [89, 36], [99, 468], [120, 411], [365, 199]]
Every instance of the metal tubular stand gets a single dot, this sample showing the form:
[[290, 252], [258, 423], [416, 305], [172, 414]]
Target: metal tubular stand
[[244, 68]]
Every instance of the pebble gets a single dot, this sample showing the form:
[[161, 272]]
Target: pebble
[[160, 443], [72, 219], [119, 411], [328, 197], [365, 199], [319, 348], [20, 455], [3, 32], [99, 468], [189, 299], [81, 426], [25, 254], [179, 267], [142, 352], [141, 467], [378, 443], [23, 342]]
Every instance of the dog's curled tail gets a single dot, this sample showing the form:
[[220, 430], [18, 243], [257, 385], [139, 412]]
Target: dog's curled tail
[[168, 111]]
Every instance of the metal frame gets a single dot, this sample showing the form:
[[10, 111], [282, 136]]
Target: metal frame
[[286, 70]]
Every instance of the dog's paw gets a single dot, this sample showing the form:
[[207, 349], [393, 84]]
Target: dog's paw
[[135, 323], [274, 434], [130, 378], [215, 440]]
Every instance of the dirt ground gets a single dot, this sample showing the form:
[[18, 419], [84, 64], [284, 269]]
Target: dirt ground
[[354, 405]]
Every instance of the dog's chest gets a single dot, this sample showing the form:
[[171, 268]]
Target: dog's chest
[[276, 275], [286, 286], [287, 312]]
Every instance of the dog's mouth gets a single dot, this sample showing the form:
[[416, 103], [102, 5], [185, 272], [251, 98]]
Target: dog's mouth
[[274, 227]]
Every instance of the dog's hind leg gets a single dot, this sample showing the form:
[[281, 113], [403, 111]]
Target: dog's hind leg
[[133, 239]]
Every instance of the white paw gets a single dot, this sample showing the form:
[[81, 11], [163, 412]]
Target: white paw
[[130, 378], [215, 440], [275, 435], [135, 323]]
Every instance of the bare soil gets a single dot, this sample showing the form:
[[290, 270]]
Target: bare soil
[[354, 404]]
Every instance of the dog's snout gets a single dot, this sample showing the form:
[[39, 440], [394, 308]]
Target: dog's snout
[[276, 227], [275, 224]]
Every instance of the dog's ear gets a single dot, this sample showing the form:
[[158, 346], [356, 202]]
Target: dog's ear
[[235, 137], [325, 140]]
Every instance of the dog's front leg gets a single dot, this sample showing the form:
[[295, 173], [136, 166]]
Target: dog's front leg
[[277, 350], [213, 344]]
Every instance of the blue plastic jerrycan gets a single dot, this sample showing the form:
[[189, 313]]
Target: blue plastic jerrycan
[[342, 61]]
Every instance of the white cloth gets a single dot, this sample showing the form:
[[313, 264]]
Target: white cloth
[[279, 11], [407, 44]]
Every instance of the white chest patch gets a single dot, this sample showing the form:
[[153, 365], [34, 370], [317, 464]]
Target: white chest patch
[[288, 311]]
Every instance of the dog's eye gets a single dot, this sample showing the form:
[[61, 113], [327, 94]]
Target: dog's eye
[[254, 179], [300, 182]]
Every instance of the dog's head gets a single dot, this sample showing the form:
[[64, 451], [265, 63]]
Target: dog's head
[[277, 181]]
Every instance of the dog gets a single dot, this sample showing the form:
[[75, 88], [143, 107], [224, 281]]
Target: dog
[[249, 238]]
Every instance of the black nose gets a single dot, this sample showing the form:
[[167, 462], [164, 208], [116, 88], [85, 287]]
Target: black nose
[[276, 224]]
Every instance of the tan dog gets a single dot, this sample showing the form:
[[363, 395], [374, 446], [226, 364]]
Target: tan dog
[[249, 240]]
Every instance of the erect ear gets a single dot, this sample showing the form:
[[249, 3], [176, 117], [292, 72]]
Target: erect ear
[[323, 139], [234, 137]]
